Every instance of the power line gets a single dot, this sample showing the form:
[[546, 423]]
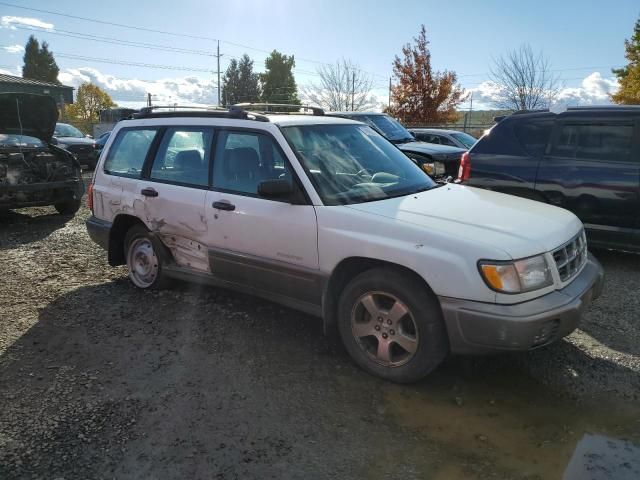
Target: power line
[[103, 22], [116, 41]]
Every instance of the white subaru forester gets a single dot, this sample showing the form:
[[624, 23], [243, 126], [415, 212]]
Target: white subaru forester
[[326, 216]]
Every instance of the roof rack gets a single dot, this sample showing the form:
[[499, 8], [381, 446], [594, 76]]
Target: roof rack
[[234, 111], [267, 108]]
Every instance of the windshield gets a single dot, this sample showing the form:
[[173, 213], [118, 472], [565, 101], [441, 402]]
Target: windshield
[[466, 139], [392, 129], [65, 130], [353, 164], [23, 141]]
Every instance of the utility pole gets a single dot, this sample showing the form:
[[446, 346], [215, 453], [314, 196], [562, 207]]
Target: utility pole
[[353, 89], [217, 55], [389, 106], [470, 110], [148, 99]]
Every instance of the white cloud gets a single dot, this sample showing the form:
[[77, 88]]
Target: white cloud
[[189, 90], [13, 48], [593, 90], [9, 21]]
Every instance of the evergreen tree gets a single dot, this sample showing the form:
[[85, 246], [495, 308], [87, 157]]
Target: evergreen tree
[[249, 86], [231, 82], [241, 84], [39, 63], [629, 75], [278, 83]]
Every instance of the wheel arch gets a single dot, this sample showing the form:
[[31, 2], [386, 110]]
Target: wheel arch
[[121, 225], [343, 273]]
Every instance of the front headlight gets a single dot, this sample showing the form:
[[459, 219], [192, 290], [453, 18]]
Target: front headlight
[[434, 169], [520, 276]]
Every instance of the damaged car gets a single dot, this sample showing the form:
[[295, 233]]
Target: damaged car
[[325, 215], [33, 171]]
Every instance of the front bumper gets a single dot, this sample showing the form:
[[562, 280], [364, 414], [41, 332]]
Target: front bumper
[[476, 327], [39, 194]]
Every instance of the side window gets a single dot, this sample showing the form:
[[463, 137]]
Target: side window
[[183, 156], [534, 136], [128, 152], [605, 142], [595, 142], [447, 141], [244, 159]]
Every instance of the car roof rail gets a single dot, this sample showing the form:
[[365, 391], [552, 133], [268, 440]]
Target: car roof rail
[[266, 108], [156, 111]]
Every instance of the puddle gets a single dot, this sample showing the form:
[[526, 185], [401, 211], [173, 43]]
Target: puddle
[[504, 425]]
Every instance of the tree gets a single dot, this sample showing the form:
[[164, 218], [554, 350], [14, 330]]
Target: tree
[[39, 63], [343, 86], [241, 84], [90, 100], [524, 80], [629, 76], [278, 83], [420, 94]]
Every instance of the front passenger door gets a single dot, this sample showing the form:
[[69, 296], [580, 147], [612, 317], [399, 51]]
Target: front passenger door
[[269, 245]]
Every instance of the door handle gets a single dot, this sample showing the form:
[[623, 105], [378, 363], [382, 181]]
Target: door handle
[[224, 205], [149, 192]]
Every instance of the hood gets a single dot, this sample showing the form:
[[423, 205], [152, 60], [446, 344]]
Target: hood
[[431, 149], [38, 115], [517, 226], [75, 141]]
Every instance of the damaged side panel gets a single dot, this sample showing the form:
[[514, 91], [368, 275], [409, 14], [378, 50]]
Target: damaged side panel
[[175, 215]]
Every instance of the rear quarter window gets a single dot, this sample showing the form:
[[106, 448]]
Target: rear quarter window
[[129, 151], [533, 135], [500, 140]]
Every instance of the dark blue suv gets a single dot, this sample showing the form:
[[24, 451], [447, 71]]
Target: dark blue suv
[[586, 160]]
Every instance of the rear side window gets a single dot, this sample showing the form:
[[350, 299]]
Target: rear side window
[[595, 142], [534, 135], [183, 157], [128, 152]]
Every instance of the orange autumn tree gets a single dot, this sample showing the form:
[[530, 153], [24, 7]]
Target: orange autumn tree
[[422, 96]]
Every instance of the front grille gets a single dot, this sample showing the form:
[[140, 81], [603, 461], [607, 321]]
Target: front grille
[[571, 257]]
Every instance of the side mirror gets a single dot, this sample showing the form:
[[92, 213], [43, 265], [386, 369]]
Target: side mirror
[[276, 188]]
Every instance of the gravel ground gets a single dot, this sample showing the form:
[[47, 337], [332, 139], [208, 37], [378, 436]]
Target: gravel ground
[[101, 380]]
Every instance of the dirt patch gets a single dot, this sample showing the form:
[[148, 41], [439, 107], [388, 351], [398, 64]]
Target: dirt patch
[[101, 380]]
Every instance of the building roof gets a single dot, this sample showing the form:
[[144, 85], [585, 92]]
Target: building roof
[[27, 81]]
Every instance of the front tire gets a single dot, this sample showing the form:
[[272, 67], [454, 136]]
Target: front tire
[[392, 326], [69, 207], [144, 259]]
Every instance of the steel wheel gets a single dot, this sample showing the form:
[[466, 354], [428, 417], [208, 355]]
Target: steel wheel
[[142, 262], [384, 328]]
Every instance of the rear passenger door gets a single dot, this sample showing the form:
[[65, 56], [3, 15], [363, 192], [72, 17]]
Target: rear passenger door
[[266, 244], [173, 190], [593, 169]]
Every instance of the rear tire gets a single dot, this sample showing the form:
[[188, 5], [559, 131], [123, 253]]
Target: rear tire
[[69, 207], [392, 326], [144, 257]]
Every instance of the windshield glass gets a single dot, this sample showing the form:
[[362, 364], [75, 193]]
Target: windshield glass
[[64, 130], [392, 129], [466, 139], [9, 140], [353, 164]]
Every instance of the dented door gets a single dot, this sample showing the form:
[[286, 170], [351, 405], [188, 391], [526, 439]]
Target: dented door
[[173, 192]]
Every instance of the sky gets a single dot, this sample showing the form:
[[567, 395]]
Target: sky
[[170, 52]]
